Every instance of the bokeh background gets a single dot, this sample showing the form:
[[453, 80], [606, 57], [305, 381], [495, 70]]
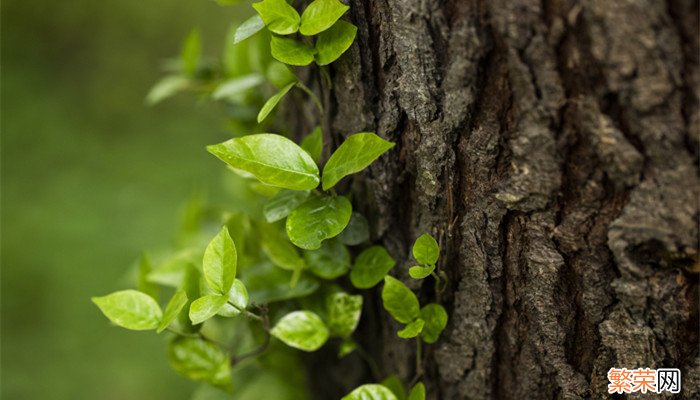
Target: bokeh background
[[90, 178]]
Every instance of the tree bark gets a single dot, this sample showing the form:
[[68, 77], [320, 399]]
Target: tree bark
[[552, 147]]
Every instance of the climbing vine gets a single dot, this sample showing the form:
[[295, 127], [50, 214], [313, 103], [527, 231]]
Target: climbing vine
[[276, 273]]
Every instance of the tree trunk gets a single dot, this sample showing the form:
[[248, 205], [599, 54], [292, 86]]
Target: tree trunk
[[552, 147]]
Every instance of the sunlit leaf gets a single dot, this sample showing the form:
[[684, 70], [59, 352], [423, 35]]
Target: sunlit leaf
[[130, 309], [343, 313], [248, 28], [238, 297], [281, 252], [419, 272], [370, 392], [199, 360], [279, 16], [318, 219], [346, 347], [272, 159], [417, 392], [291, 51], [426, 250], [272, 102], [166, 87], [281, 204], [321, 15], [233, 88], [399, 300], [280, 75], [393, 383], [412, 330], [219, 262], [303, 330], [206, 307], [370, 267], [355, 154], [332, 43], [172, 309]]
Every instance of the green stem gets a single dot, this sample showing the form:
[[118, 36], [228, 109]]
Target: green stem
[[419, 357], [313, 96], [246, 312], [373, 367]]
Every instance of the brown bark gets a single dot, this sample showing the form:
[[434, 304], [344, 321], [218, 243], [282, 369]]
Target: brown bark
[[552, 147]]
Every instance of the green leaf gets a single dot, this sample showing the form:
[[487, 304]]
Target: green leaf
[[279, 16], [426, 250], [143, 283], [272, 102], [332, 43], [399, 300], [206, 307], [272, 159], [435, 318], [330, 261], [172, 309], [191, 53], [199, 360], [130, 309], [417, 392], [412, 330], [248, 28], [267, 284], [291, 51], [343, 313], [418, 272], [219, 262], [321, 15], [302, 330], [234, 87], [317, 219], [346, 347], [313, 144], [370, 267], [357, 230], [279, 74], [191, 282], [371, 391], [166, 87], [238, 297], [393, 383], [282, 253], [281, 204], [355, 154]]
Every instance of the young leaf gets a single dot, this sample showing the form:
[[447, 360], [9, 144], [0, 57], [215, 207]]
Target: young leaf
[[426, 250], [418, 272], [330, 261], [219, 262], [272, 102], [206, 307], [279, 74], [313, 144], [238, 297], [393, 383], [191, 282], [199, 360], [332, 43], [234, 87], [346, 347], [172, 309], [371, 392], [317, 219], [248, 28], [435, 318], [412, 330], [357, 230], [130, 309], [399, 300], [302, 330], [191, 53], [355, 154], [281, 204], [370, 267], [165, 88], [144, 284], [343, 312], [291, 51], [279, 16], [282, 253], [321, 15], [273, 159], [417, 392]]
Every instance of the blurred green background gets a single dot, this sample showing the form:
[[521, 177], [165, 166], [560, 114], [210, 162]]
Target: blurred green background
[[90, 178]]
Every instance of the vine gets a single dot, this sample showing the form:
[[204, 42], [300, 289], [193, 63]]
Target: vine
[[287, 259]]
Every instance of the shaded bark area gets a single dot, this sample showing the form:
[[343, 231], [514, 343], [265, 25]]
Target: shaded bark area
[[552, 147]]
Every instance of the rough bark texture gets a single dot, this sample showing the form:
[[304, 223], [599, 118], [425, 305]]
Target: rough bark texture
[[552, 147]]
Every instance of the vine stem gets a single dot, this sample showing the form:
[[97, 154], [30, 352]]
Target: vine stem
[[313, 96], [419, 362], [374, 368], [260, 349]]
